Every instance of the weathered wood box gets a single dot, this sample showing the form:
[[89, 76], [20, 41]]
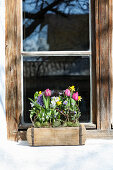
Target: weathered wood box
[[56, 136]]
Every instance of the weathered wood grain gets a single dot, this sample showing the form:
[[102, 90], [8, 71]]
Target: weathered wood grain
[[12, 67], [56, 136], [82, 134], [103, 60], [99, 134]]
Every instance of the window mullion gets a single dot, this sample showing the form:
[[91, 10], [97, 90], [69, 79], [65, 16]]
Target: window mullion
[[57, 53]]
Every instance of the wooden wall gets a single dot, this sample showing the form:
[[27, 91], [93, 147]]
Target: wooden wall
[[103, 26], [101, 53], [12, 67]]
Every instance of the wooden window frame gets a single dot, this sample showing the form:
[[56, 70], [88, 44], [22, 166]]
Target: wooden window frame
[[101, 65]]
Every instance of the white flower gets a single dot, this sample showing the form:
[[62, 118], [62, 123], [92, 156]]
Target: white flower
[[47, 117], [57, 99], [53, 103], [31, 104], [43, 118]]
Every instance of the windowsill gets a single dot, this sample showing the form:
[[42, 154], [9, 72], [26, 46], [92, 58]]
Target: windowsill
[[90, 125], [87, 125]]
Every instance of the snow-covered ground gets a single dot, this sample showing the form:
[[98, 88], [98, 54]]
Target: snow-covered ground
[[97, 154]]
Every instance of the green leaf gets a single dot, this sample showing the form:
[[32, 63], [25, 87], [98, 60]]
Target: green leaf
[[35, 104], [35, 96], [73, 101], [32, 114], [45, 101], [48, 101]]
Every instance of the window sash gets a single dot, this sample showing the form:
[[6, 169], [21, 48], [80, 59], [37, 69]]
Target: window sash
[[22, 94], [56, 53], [49, 53]]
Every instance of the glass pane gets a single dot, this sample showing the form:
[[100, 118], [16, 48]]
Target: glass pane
[[57, 73], [55, 25]]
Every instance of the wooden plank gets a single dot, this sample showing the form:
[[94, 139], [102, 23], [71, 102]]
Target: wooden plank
[[53, 136], [99, 134], [82, 134], [103, 60], [104, 64], [12, 56], [18, 64], [93, 47], [97, 62]]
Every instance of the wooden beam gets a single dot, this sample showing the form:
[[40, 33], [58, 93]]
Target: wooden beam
[[103, 60], [12, 67]]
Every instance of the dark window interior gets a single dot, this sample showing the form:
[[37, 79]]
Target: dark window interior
[[57, 73], [56, 25]]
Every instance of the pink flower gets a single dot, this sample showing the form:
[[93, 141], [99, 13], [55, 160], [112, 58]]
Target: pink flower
[[47, 92], [75, 96], [67, 92]]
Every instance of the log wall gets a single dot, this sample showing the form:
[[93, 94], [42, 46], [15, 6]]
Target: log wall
[[103, 28], [12, 67]]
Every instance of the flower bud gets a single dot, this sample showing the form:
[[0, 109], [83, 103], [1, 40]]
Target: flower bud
[[75, 96], [47, 92], [67, 92]]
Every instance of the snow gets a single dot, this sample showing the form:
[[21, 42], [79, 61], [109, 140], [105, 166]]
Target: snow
[[96, 154]]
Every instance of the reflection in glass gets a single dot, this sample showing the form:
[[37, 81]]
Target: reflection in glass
[[55, 25], [56, 73]]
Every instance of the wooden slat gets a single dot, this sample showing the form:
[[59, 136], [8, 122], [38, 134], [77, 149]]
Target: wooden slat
[[12, 60], [103, 59]]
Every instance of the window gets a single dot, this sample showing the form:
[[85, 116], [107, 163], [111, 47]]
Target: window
[[99, 59], [56, 49]]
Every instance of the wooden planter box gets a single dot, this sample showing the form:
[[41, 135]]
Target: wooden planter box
[[56, 136]]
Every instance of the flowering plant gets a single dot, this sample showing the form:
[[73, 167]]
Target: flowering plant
[[52, 110]]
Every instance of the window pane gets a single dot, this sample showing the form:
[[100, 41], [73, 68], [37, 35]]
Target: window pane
[[55, 25], [57, 73]]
